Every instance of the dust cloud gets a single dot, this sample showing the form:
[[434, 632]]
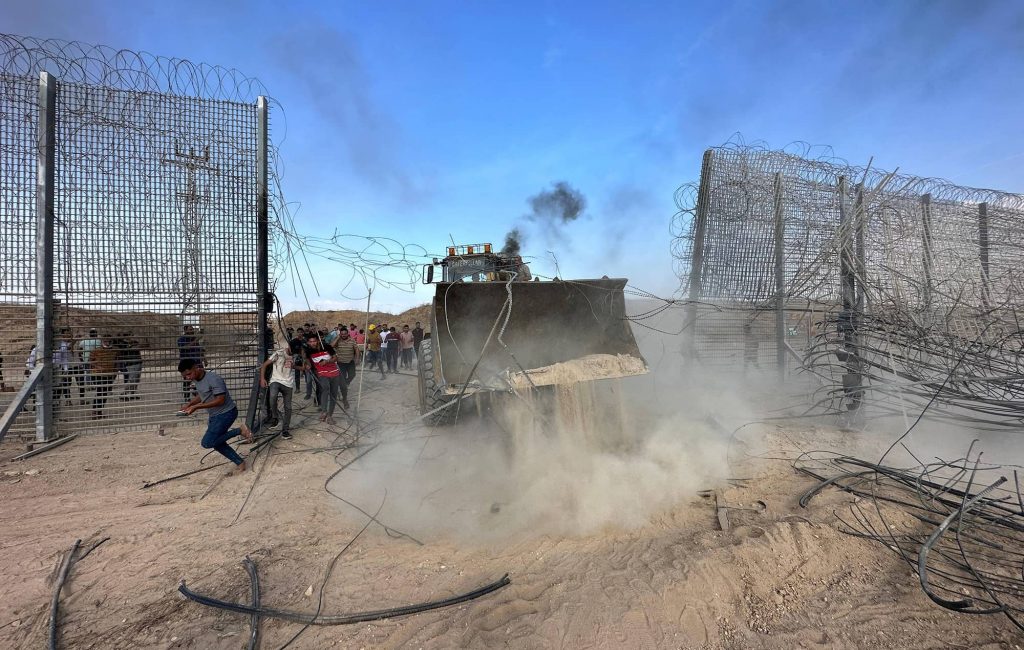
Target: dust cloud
[[571, 460]]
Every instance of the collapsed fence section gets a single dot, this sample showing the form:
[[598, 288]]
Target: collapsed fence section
[[134, 234], [888, 288]]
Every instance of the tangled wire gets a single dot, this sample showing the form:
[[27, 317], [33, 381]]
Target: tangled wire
[[956, 523], [891, 276]]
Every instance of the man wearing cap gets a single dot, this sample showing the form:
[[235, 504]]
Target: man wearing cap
[[298, 341], [373, 353], [312, 385]]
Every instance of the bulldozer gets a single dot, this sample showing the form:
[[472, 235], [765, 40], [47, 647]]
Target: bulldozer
[[496, 329]]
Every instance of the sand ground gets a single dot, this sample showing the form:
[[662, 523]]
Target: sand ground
[[781, 578]]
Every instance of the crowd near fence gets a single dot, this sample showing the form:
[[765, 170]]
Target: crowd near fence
[[133, 233]]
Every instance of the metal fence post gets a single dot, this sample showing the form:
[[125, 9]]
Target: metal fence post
[[263, 223], [45, 157], [848, 317], [860, 225], [926, 239], [986, 298], [697, 259], [780, 281], [262, 253]]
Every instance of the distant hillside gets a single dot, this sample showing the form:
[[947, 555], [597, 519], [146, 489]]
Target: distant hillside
[[328, 319]]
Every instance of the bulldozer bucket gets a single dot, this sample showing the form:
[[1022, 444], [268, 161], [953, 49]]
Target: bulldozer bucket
[[543, 333]]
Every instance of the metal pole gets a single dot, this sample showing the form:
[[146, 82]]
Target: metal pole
[[264, 300], [45, 160], [926, 238], [697, 257], [780, 281], [986, 297], [846, 272], [263, 224], [852, 379], [860, 224]]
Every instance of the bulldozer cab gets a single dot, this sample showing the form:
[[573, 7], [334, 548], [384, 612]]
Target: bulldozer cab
[[476, 263]]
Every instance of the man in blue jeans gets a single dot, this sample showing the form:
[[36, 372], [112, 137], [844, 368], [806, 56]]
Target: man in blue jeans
[[212, 394]]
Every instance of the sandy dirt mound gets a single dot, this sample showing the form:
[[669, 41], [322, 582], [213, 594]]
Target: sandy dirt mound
[[647, 573]]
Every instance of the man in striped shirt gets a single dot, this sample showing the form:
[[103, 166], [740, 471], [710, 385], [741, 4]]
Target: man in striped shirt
[[328, 375], [347, 352]]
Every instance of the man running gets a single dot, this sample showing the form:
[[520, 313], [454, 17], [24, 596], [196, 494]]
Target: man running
[[212, 394]]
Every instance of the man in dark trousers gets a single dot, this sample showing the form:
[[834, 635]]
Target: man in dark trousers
[[298, 340], [417, 339], [391, 346], [281, 382], [328, 376], [212, 394], [189, 349], [347, 352]]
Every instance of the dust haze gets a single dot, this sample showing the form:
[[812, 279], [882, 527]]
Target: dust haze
[[572, 460]]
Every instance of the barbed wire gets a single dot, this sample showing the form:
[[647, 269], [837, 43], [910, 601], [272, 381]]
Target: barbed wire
[[933, 269], [138, 129], [121, 69]]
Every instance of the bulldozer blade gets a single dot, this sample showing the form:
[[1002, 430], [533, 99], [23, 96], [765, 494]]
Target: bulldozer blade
[[536, 325]]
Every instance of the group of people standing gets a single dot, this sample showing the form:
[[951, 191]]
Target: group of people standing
[[385, 345], [327, 360], [93, 363]]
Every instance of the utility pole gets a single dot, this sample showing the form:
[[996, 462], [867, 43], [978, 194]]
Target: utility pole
[[191, 221]]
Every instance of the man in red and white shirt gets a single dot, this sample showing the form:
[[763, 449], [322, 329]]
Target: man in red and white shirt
[[328, 375]]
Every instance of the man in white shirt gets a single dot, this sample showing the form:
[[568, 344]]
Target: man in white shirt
[[285, 362], [62, 367], [85, 348]]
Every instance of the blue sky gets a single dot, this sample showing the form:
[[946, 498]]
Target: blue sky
[[417, 121]]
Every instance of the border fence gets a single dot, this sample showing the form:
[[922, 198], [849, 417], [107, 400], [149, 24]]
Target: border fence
[[133, 233], [890, 289]]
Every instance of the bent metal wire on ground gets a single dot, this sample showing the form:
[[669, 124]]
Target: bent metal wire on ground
[[958, 524]]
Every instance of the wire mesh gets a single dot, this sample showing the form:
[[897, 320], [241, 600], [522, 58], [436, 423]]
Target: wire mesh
[[18, 101], [932, 275], [155, 237]]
